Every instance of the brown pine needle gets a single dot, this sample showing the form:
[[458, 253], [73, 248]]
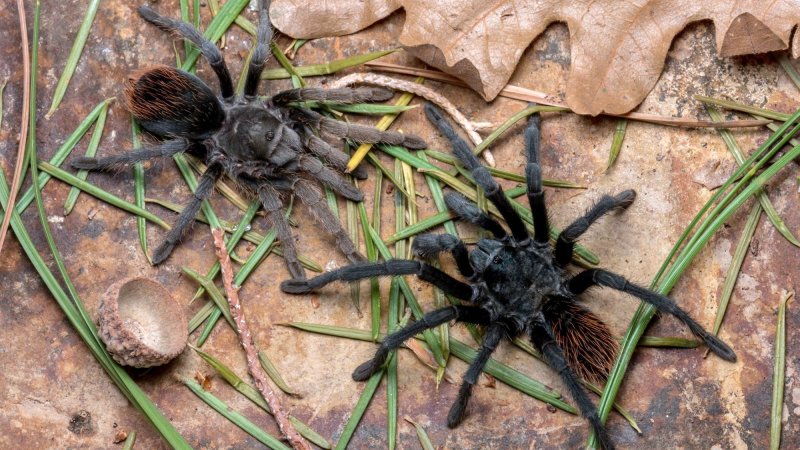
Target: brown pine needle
[[23, 134], [528, 95], [246, 340]]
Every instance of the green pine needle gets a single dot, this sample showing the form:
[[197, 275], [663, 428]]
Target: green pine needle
[[235, 418], [779, 371], [325, 68], [745, 185], [218, 26], [74, 56], [91, 150], [616, 142], [424, 440]]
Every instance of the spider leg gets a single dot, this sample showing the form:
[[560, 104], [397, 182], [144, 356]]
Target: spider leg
[[323, 215], [360, 271], [462, 313], [260, 52], [592, 277], [343, 95], [570, 234], [337, 182], [533, 175], [471, 213], [334, 156], [164, 149], [274, 207], [428, 245], [543, 339], [482, 176], [204, 187], [190, 33], [358, 133], [494, 334]]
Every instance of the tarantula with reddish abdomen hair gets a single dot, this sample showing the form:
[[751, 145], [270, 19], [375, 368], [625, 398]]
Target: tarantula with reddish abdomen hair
[[268, 147], [516, 284]]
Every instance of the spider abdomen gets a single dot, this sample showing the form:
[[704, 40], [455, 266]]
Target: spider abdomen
[[589, 347], [169, 102]]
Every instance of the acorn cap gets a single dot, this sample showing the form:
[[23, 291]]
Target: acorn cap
[[141, 323]]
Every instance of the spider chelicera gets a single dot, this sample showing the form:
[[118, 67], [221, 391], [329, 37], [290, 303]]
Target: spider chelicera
[[516, 284], [268, 147]]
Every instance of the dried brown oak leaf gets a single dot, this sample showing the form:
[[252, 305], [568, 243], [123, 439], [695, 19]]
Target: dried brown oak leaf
[[618, 47]]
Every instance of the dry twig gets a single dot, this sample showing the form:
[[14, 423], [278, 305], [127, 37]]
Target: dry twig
[[424, 92], [246, 339]]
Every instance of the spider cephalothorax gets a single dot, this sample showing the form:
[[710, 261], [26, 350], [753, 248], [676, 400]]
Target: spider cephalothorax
[[268, 147], [517, 284]]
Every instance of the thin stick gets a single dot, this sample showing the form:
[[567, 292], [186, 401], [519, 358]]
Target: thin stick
[[246, 339], [420, 91], [23, 134], [529, 95]]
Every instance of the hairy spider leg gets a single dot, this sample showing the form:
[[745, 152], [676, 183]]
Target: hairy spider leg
[[342, 95], [204, 187], [392, 267], [273, 206], [461, 313], [260, 52], [309, 195], [429, 245], [570, 234], [542, 338], [163, 150], [470, 212], [357, 133], [600, 277], [482, 176], [338, 183], [190, 33], [494, 334], [533, 175], [332, 155]]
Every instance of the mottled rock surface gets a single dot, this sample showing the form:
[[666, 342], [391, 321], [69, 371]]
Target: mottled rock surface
[[51, 384]]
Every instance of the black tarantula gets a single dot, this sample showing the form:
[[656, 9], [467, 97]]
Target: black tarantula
[[267, 146], [517, 284]]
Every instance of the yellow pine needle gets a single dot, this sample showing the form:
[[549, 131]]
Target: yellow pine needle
[[382, 125]]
